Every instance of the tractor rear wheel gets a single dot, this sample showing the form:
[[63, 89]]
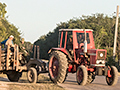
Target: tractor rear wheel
[[82, 75], [58, 67], [114, 76]]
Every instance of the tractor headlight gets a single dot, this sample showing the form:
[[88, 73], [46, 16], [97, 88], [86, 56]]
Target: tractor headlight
[[100, 61], [101, 55], [103, 61], [97, 62]]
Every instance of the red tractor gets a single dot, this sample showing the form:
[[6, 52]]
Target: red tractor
[[76, 53]]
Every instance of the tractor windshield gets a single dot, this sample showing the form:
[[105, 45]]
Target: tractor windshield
[[62, 36], [81, 38]]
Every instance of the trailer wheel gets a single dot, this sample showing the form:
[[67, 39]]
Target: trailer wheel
[[32, 75], [114, 76], [58, 67], [81, 75], [14, 76]]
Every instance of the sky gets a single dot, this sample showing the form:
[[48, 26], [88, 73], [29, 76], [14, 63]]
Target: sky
[[35, 18]]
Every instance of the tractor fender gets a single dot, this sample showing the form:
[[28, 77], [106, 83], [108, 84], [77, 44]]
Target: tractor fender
[[62, 50], [35, 62]]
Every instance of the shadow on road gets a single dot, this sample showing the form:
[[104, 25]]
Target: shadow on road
[[4, 79], [71, 81]]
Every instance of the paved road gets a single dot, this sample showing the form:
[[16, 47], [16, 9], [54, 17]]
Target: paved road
[[98, 84]]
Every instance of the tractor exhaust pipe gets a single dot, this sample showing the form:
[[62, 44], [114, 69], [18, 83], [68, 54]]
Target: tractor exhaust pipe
[[85, 45]]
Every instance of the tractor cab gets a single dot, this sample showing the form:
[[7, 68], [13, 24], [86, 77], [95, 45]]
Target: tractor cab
[[77, 36], [72, 40]]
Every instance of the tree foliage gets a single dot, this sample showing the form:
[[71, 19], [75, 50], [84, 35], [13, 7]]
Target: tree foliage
[[2, 10]]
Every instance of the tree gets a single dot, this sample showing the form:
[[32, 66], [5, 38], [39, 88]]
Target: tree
[[2, 10]]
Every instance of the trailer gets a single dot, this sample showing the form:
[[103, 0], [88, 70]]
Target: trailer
[[10, 64]]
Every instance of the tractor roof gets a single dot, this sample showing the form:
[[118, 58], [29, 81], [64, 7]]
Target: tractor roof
[[75, 29]]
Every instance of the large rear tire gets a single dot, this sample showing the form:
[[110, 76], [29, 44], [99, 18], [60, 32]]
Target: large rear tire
[[14, 76], [58, 67], [82, 75], [114, 76]]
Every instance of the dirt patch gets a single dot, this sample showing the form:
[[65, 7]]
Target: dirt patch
[[4, 86], [43, 83], [119, 73], [34, 87]]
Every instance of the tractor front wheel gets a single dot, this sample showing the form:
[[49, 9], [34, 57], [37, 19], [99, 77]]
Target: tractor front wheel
[[114, 76], [82, 75], [32, 75], [58, 67]]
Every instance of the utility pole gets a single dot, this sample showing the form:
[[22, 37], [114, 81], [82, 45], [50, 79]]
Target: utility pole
[[116, 30]]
